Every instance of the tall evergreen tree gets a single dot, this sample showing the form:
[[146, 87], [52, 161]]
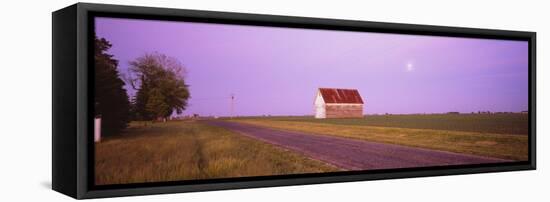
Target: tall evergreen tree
[[111, 99]]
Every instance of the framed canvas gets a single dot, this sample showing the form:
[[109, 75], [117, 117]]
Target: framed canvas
[[156, 100]]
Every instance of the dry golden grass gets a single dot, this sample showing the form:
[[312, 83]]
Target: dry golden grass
[[506, 146], [187, 150]]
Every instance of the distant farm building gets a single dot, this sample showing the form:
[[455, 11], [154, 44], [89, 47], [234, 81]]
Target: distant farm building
[[338, 103]]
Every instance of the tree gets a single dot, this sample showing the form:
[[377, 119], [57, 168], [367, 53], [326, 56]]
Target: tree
[[140, 101], [160, 84], [111, 99], [156, 104]]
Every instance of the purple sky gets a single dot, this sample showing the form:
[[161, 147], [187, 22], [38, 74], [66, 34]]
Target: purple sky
[[277, 71]]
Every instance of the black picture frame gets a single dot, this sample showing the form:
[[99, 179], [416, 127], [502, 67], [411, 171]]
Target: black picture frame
[[72, 83]]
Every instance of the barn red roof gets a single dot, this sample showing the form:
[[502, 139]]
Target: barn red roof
[[336, 95]]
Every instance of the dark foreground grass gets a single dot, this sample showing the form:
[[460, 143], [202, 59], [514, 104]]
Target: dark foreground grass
[[511, 123], [187, 150]]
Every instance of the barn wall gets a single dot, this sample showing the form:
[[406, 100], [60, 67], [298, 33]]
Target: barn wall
[[319, 107], [344, 111]]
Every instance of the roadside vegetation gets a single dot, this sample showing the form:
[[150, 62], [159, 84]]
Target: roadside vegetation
[[189, 150], [505, 146], [157, 79]]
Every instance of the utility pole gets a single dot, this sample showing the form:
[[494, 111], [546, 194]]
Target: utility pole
[[232, 104]]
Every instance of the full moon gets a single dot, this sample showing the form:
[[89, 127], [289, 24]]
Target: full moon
[[410, 67]]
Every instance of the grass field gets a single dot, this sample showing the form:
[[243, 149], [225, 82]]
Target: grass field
[[512, 123], [186, 150], [497, 135]]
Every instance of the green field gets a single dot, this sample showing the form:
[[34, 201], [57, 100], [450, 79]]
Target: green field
[[186, 150], [492, 135], [511, 123]]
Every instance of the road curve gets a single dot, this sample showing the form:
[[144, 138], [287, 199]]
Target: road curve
[[352, 154]]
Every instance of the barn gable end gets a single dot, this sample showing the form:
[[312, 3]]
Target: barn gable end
[[320, 112]]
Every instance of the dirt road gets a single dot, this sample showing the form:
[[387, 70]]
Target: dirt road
[[352, 154]]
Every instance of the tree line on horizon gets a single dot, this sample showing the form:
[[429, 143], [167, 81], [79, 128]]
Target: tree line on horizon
[[159, 81]]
